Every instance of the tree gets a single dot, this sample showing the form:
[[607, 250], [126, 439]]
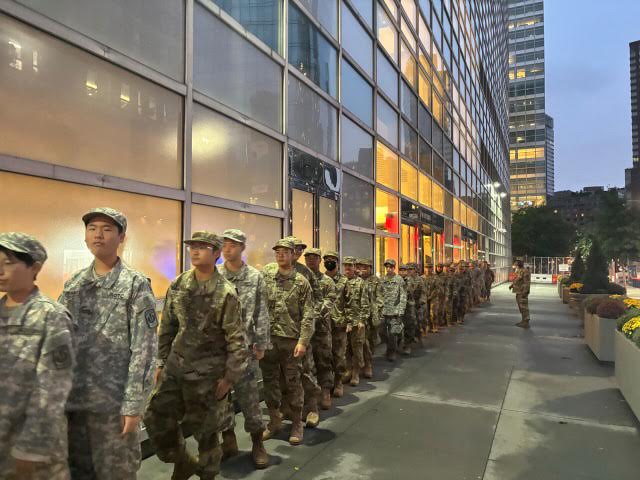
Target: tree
[[577, 268], [617, 228], [595, 276], [537, 231]]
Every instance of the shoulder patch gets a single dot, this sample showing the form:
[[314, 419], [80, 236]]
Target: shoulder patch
[[61, 357], [151, 318]]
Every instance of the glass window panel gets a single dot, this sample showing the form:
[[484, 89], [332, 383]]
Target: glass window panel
[[260, 17], [386, 166], [357, 148], [312, 120], [408, 64], [438, 197], [410, 241], [409, 7], [424, 34], [365, 9], [425, 190], [387, 77], [409, 104], [153, 34], [357, 94], [387, 122], [409, 142], [325, 11], [387, 33], [311, 53], [424, 159], [438, 168], [53, 214], [448, 204], [357, 202], [63, 106], [328, 223], [456, 209], [357, 244], [250, 81], [437, 109], [302, 215], [424, 89], [408, 35], [391, 5], [424, 122], [386, 247], [356, 40], [409, 180], [262, 232], [233, 161], [387, 217]]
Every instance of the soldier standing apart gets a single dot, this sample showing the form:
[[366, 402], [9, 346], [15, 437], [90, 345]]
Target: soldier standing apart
[[202, 352], [321, 340], [395, 302], [339, 322], [291, 309], [489, 278], [521, 286], [36, 359], [252, 293], [113, 309], [373, 323], [357, 311]]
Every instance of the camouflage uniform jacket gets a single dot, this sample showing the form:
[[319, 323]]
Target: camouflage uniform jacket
[[342, 296], [522, 282], [489, 277], [357, 308], [252, 293], [439, 286], [461, 287], [394, 294], [428, 286], [328, 289], [37, 360], [316, 290], [291, 306], [376, 299], [115, 319], [451, 286], [410, 287], [202, 332], [418, 288]]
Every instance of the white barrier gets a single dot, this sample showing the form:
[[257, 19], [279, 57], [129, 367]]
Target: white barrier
[[541, 278]]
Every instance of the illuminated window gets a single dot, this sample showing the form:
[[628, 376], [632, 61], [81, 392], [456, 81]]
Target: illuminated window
[[409, 180], [391, 5], [424, 89], [438, 197], [386, 247], [437, 109], [302, 210], [409, 7], [387, 34], [425, 190], [53, 214], [387, 217], [386, 166], [328, 224], [408, 64], [456, 209], [410, 240]]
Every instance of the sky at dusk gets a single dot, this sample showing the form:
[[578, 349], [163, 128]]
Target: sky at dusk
[[587, 88]]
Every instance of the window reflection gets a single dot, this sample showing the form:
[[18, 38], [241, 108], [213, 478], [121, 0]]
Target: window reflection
[[387, 217]]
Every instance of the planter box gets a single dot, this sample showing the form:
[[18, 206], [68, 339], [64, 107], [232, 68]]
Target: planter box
[[575, 303], [627, 362], [599, 334], [565, 294], [583, 312]]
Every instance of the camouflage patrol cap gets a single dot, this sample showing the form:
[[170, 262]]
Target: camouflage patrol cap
[[412, 266], [297, 242], [313, 251], [403, 266], [389, 261], [205, 237], [440, 264], [364, 261], [284, 243], [429, 265], [331, 254], [235, 235], [116, 216], [22, 243], [349, 260]]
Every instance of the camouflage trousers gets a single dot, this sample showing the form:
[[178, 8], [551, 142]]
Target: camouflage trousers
[[487, 290], [339, 339], [355, 351], [281, 371], [323, 354], [459, 309], [178, 403], [248, 397], [410, 322], [437, 316], [372, 339], [423, 316], [48, 471], [310, 384], [522, 299], [394, 331], [449, 311], [97, 449]]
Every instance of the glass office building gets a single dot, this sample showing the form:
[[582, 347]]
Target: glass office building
[[530, 129], [377, 128]]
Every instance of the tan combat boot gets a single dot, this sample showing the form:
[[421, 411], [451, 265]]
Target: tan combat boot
[[325, 400], [229, 444], [297, 430], [355, 377], [313, 417], [275, 424], [523, 324], [338, 390], [185, 467], [367, 372], [258, 452]]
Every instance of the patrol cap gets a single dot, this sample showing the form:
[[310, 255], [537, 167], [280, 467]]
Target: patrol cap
[[429, 265], [297, 242], [389, 261], [116, 216], [412, 266], [440, 264], [22, 243], [349, 260], [313, 251], [235, 235], [365, 261], [331, 254], [203, 236], [284, 243]]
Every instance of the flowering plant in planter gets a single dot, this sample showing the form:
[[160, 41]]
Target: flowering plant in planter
[[631, 330], [576, 287], [632, 302]]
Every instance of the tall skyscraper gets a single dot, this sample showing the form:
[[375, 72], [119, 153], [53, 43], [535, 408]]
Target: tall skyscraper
[[531, 151], [632, 175]]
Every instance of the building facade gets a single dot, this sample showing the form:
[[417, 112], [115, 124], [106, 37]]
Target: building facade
[[632, 175], [377, 128], [581, 208], [530, 129]]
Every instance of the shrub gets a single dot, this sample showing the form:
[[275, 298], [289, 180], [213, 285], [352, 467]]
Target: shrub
[[591, 303], [626, 316], [615, 289], [566, 281], [611, 308], [595, 276], [577, 268]]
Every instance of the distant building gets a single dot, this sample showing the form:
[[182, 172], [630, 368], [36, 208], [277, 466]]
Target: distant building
[[580, 208], [632, 175]]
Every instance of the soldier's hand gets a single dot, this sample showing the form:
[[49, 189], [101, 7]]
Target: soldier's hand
[[129, 423], [156, 376], [258, 353], [222, 388], [299, 351], [360, 325], [25, 469], [349, 328]]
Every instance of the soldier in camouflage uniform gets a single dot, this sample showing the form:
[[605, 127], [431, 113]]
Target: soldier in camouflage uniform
[[489, 278], [114, 312], [409, 319], [460, 305], [357, 312], [451, 294], [395, 302], [418, 297], [478, 283], [427, 293], [291, 309], [521, 286], [37, 362], [339, 323], [321, 340], [202, 352], [251, 289], [468, 281], [438, 297], [376, 301]]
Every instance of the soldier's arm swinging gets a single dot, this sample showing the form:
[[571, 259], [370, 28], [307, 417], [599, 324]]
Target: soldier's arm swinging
[[237, 352]]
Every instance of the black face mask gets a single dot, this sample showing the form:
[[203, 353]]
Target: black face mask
[[330, 265]]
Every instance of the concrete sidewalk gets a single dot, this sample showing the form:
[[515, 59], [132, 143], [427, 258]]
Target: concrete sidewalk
[[484, 401]]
